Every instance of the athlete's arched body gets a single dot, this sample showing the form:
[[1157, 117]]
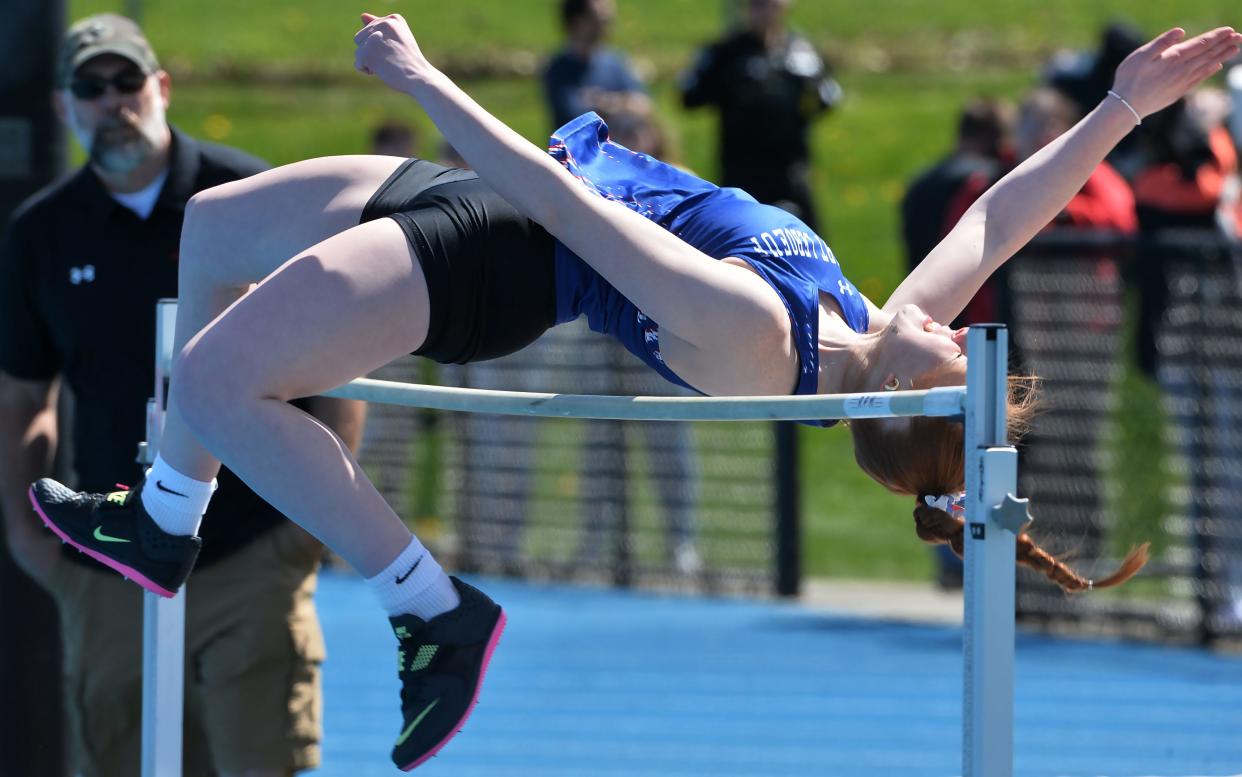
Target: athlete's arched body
[[711, 288]]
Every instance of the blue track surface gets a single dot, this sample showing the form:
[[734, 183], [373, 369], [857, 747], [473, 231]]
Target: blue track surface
[[593, 682]]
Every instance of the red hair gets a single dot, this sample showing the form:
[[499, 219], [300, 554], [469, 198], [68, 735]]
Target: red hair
[[920, 456]]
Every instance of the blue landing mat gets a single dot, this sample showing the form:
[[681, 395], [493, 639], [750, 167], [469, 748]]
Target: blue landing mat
[[589, 682]]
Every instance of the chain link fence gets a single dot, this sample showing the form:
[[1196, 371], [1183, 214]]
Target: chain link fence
[[692, 506], [1139, 343]]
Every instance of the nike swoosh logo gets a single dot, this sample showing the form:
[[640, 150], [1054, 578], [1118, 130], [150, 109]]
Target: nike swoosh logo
[[99, 535], [402, 578], [414, 723], [160, 486]]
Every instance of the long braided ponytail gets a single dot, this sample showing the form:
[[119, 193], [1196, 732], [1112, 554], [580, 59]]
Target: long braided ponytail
[[923, 456], [935, 527]]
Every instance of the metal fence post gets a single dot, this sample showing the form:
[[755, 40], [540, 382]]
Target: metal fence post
[[788, 516]]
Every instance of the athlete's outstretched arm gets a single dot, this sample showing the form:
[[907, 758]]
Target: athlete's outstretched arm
[[707, 303], [1010, 213]]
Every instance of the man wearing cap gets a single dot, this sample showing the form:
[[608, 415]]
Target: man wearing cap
[[82, 264]]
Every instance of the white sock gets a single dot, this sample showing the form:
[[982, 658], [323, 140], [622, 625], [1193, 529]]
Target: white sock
[[414, 584], [174, 501]]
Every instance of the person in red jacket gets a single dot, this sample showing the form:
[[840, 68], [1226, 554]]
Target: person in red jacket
[[1188, 188], [1105, 202]]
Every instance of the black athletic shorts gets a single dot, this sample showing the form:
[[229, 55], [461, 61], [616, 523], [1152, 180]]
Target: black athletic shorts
[[489, 269]]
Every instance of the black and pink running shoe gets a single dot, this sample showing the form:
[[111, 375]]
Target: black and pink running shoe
[[116, 531], [441, 663]]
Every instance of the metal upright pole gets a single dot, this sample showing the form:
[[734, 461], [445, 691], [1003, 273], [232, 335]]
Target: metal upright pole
[[163, 620], [993, 519]]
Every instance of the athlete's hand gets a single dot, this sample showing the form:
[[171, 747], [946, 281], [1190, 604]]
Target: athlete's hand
[[1165, 69], [387, 49]]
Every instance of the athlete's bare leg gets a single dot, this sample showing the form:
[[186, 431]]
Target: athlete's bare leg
[[351, 299], [237, 234], [337, 310]]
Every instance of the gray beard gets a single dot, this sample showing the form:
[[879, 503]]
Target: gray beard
[[121, 151], [120, 148]]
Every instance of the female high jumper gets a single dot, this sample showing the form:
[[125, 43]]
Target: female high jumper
[[362, 259]]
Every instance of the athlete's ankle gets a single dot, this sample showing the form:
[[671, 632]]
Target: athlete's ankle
[[175, 501], [414, 583]]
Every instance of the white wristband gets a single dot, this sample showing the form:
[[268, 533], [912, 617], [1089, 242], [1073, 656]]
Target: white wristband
[[1138, 120]]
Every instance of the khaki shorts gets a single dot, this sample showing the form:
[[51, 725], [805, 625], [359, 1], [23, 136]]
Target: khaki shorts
[[253, 655]]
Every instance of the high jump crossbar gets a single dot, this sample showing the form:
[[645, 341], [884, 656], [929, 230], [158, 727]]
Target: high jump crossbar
[[994, 517], [946, 401]]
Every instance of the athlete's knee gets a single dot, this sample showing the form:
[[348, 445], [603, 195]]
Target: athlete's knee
[[207, 211], [206, 391], [211, 216], [216, 386]]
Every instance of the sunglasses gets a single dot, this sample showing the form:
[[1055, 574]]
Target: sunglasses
[[93, 87]]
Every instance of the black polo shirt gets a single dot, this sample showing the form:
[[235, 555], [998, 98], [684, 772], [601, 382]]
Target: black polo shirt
[[79, 278], [767, 99]]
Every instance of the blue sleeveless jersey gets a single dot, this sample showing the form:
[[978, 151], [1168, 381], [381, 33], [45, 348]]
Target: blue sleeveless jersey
[[720, 222]]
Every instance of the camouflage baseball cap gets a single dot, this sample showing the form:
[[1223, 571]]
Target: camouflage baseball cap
[[104, 33]]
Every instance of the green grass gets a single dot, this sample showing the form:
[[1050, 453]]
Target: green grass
[[910, 34], [906, 65]]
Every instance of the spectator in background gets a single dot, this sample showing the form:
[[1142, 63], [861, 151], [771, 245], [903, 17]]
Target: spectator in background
[[768, 83], [639, 130], [1085, 77], [585, 75], [1233, 82], [81, 267], [1189, 185], [394, 138], [1189, 164], [671, 454], [1213, 108], [1104, 202], [983, 149]]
